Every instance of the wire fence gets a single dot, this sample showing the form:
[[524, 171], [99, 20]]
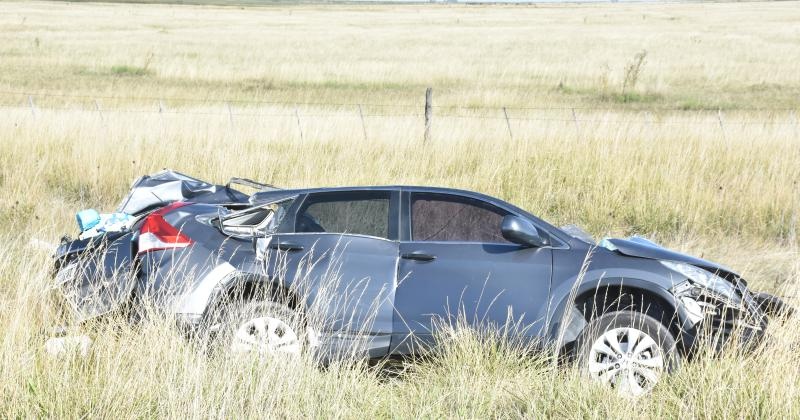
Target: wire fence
[[37, 101]]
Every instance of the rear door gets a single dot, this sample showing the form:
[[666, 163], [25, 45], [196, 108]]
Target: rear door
[[456, 267], [341, 260]]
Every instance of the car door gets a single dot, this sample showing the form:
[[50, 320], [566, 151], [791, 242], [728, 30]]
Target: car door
[[455, 266], [340, 258]]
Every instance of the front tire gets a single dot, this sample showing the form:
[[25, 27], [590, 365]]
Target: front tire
[[628, 351]]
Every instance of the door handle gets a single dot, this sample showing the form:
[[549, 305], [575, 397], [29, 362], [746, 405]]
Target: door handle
[[286, 246], [418, 256]]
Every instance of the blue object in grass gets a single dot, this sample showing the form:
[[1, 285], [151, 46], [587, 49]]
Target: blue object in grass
[[87, 219]]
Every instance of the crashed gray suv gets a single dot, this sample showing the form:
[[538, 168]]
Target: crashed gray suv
[[374, 271]]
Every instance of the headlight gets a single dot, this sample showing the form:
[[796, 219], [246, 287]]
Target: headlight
[[703, 278]]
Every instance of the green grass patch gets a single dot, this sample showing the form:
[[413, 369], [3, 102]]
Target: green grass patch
[[130, 71], [631, 98]]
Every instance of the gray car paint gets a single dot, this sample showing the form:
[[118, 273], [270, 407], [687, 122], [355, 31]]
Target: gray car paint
[[487, 283], [96, 284]]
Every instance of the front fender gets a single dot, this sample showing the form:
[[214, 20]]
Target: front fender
[[568, 321]]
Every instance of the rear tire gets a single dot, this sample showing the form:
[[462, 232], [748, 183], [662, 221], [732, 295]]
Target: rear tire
[[627, 350], [263, 328]]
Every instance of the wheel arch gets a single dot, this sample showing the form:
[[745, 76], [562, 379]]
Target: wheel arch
[[597, 302], [244, 287], [595, 298]]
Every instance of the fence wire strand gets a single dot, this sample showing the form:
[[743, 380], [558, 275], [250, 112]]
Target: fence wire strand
[[26, 101]]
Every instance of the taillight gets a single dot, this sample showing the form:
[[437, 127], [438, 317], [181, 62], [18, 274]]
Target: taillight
[[156, 234]]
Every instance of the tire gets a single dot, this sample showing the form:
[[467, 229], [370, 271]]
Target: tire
[[263, 328], [627, 350]]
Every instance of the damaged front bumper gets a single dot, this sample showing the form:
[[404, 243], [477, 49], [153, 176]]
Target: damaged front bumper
[[718, 322]]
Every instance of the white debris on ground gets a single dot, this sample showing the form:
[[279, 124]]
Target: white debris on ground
[[59, 346], [43, 245]]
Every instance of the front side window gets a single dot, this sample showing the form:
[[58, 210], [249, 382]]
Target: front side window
[[444, 217], [361, 213]]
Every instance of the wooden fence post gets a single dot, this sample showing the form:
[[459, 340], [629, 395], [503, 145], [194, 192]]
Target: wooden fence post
[[428, 112]]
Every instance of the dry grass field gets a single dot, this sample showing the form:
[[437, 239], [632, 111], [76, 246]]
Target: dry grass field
[[677, 121]]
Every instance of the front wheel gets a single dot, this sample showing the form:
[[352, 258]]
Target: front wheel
[[628, 351]]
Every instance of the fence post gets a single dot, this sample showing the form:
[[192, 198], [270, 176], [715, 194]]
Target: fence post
[[363, 126], [575, 121], [428, 112], [508, 124], [99, 111], [299, 127], [33, 107], [230, 113], [161, 112], [721, 124]]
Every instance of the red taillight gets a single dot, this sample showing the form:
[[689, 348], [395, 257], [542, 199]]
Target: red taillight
[[156, 234]]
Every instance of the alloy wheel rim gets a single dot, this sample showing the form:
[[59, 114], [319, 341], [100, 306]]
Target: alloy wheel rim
[[627, 359], [266, 335]]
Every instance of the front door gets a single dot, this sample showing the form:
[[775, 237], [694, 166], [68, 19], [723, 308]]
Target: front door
[[456, 268]]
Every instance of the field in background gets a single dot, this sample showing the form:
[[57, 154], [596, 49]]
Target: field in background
[[674, 121]]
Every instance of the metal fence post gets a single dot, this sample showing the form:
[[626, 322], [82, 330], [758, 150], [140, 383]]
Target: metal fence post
[[508, 125], [575, 121], [428, 112], [299, 127], [363, 125], [99, 111], [33, 107]]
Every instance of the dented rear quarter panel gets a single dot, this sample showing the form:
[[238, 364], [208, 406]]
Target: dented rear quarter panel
[[96, 276]]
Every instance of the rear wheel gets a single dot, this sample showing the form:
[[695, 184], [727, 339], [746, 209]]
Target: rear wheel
[[628, 351], [264, 328]]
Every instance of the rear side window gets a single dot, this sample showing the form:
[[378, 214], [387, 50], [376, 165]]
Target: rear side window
[[444, 217], [361, 213], [259, 221]]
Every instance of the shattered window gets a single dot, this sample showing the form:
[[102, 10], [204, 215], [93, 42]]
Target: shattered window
[[361, 214], [444, 217], [261, 221]]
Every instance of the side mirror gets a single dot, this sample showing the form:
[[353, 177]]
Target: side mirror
[[522, 232]]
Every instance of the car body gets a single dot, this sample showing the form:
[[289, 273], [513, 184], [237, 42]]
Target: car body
[[376, 270]]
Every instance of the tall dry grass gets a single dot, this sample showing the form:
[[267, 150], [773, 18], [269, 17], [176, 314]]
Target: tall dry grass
[[643, 161]]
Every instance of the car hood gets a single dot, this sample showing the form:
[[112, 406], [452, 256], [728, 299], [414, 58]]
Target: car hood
[[643, 248]]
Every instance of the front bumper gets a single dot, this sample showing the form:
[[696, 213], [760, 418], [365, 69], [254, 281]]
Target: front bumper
[[717, 322]]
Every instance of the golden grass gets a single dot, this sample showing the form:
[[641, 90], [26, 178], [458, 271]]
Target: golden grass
[[641, 161]]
